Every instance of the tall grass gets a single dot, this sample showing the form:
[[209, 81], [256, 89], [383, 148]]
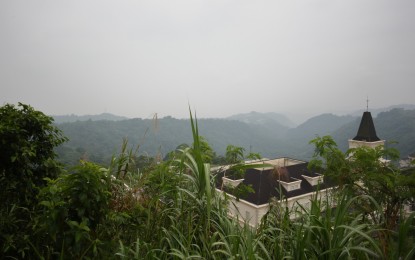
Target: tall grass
[[187, 219], [320, 232]]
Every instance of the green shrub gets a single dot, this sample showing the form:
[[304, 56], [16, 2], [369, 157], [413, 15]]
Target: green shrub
[[72, 207], [27, 141]]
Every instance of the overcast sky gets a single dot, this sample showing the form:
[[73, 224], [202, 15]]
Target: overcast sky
[[136, 58]]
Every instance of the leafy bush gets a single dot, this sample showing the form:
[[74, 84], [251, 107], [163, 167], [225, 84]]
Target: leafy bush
[[27, 138], [27, 141], [73, 206]]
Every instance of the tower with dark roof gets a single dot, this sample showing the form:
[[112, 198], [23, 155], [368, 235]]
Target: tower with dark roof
[[366, 135]]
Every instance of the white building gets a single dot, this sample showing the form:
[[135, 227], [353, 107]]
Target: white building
[[282, 179], [366, 135]]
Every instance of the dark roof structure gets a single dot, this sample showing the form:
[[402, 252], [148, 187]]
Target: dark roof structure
[[266, 182], [367, 131]]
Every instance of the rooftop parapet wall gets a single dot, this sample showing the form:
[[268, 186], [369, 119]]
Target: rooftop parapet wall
[[356, 144]]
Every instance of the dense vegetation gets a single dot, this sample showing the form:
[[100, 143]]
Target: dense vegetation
[[171, 210], [99, 140]]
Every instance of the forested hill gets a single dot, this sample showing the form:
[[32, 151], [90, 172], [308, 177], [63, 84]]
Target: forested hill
[[99, 140]]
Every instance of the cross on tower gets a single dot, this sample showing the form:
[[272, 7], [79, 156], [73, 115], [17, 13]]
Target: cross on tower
[[367, 104]]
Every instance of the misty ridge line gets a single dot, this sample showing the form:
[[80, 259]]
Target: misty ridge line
[[255, 132], [281, 117], [250, 117]]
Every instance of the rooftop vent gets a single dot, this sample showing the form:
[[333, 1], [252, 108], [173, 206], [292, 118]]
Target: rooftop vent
[[292, 184], [231, 183], [313, 180]]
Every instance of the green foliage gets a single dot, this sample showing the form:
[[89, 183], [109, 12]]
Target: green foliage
[[145, 163], [234, 154], [72, 206], [236, 158], [338, 232], [199, 167], [253, 156], [192, 217], [322, 231], [364, 172], [240, 191], [207, 153], [404, 240], [27, 139], [162, 183], [206, 150], [15, 230]]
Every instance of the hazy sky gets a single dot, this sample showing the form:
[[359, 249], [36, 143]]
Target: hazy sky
[[136, 58]]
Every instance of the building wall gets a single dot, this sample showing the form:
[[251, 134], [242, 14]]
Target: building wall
[[294, 203], [252, 214], [245, 211], [283, 162]]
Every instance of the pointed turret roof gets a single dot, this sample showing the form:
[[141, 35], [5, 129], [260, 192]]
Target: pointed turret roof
[[367, 131]]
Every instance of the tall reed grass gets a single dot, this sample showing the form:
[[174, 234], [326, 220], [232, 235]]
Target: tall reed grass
[[190, 220]]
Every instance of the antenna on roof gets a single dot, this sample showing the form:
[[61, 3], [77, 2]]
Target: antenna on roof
[[367, 103]]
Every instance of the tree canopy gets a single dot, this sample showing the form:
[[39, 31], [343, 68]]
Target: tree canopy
[[28, 138]]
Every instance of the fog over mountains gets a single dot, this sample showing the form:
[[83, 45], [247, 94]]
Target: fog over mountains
[[376, 111], [74, 118], [270, 134], [263, 118], [252, 117]]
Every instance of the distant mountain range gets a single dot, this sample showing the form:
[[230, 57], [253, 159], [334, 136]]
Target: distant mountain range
[[263, 119], [252, 117], [376, 111], [74, 118], [270, 134]]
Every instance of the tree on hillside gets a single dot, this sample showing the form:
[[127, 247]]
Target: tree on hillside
[[207, 152], [234, 154]]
